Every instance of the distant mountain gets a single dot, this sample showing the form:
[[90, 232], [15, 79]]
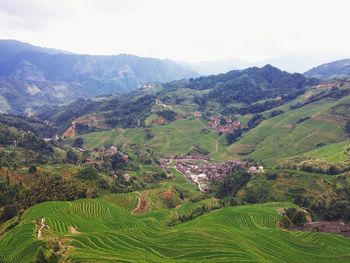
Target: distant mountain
[[248, 86], [8, 48], [252, 90], [336, 69], [218, 66], [31, 75], [298, 63]]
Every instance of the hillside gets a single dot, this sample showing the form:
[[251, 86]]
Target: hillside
[[252, 90], [32, 76], [251, 165], [104, 231], [336, 69], [294, 132]]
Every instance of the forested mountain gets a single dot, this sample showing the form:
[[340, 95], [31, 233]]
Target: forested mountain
[[32, 76], [252, 90], [336, 69]]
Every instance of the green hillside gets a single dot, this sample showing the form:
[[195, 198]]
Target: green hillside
[[296, 132], [100, 231], [178, 137]]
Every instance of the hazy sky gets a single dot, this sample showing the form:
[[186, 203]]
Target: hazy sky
[[191, 30]]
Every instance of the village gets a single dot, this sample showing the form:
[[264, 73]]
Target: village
[[220, 124], [223, 125], [199, 169]]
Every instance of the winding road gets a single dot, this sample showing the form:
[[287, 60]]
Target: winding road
[[137, 207], [42, 226]]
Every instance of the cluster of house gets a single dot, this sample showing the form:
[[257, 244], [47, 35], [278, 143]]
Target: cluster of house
[[105, 152], [199, 170], [256, 169], [223, 124], [197, 114]]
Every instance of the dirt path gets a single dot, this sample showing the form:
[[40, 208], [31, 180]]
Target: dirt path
[[191, 182], [73, 230], [217, 144], [137, 207], [199, 185], [41, 227]]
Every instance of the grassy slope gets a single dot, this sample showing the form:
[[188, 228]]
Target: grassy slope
[[335, 152], [178, 137], [281, 137], [108, 232]]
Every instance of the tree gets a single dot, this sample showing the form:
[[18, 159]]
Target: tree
[[72, 157], [78, 142], [233, 136], [346, 215], [169, 115], [88, 173], [32, 169], [271, 176], [223, 121], [118, 162], [9, 212], [347, 127], [232, 183], [298, 218], [41, 257]]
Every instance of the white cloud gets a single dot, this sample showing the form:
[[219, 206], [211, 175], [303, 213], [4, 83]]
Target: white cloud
[[182, 29]]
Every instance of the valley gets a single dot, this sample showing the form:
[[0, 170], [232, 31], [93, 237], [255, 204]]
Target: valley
[[231, 167]]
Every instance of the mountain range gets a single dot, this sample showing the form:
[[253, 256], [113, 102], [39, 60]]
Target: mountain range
[[31, 76]]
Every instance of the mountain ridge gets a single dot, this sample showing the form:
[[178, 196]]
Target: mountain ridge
[[81, 75], [335, 69]]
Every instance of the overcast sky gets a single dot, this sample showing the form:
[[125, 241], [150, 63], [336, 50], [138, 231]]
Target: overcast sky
[[191, 30]]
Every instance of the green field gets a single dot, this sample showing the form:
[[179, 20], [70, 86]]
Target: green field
[[284, 136], [105, 231], [334, 152], [178, 137]]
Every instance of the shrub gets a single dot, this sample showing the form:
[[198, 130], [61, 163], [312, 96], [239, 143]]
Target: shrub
[[88, 173], [72, 157], [32, 169], [9, 212], [169, 115], [271, 176], [298, 218], [232, 137], [78, 142]]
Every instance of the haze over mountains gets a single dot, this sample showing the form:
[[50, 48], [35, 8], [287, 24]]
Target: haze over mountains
[[31, 76]]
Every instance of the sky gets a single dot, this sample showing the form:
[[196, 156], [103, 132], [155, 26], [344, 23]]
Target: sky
[[187, 30]]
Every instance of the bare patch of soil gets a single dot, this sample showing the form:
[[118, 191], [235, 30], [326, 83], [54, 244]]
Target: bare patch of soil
[[73, 230], [325, 226]]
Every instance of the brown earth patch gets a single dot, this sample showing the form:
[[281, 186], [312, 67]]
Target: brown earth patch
[[325, 226], [159, 121], [73, 230], [167, 194], [70, 132]]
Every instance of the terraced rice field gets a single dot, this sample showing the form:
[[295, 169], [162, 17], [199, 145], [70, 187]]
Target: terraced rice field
[[178, 137], [285, 136], [105, 232]]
